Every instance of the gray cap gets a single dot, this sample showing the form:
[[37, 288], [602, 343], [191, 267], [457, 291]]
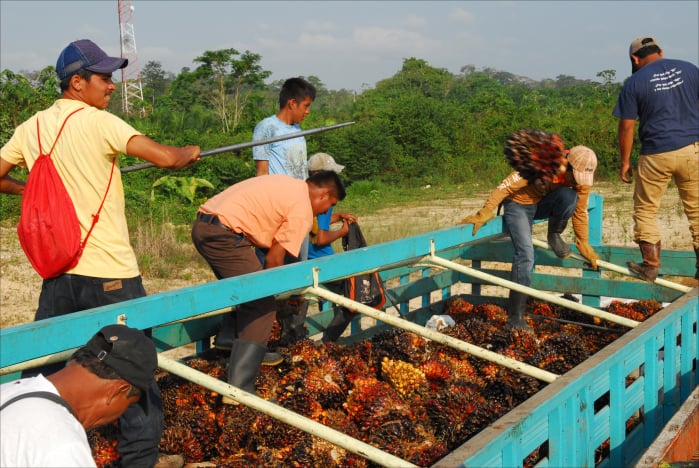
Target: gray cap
[[324, 162], [642, 42]]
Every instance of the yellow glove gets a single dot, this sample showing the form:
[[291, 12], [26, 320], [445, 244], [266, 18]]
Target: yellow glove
[[586, 251], [478, 219]]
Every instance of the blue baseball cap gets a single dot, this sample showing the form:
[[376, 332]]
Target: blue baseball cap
[[86, 54]]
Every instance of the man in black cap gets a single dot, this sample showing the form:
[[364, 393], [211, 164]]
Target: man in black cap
[[662, 95], [85, 158], [44, 419]]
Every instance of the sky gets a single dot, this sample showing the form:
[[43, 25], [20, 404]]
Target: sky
[[353, 45]]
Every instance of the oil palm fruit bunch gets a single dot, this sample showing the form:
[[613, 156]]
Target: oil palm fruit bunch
[[537, 155]]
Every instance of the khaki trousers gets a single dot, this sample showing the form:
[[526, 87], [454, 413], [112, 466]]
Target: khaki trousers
[[653, 176]]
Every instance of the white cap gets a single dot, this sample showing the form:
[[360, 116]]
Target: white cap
[[584, 162], [323, 162]]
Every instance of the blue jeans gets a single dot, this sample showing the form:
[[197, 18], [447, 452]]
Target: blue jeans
[[519, 220]]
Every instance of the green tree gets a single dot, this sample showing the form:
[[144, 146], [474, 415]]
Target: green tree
[[229, 82], [21, 97], [608, 77], [154, 80]]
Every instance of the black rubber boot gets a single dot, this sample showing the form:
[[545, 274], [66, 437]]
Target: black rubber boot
[[515, 310], [648, 270], [272, 358], [244, 365], [341, 318], [556, 242], [226, 334], [293, 320]]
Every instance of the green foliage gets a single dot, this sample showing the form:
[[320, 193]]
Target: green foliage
[[183, 187], [10, 207], [22, 96], [421, 126], [225, 170], [227, 82]]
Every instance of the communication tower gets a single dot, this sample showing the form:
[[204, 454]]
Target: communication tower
[[131, 90]]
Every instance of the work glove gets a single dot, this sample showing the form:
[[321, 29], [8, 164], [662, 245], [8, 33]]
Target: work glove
[[586, 251], [478, 219]]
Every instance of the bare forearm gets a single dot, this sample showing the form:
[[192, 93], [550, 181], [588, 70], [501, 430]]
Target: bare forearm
[[328, 237], [168, 157], [626, 131], [262, 167], [625, 136], [275, 256], [11, 186]]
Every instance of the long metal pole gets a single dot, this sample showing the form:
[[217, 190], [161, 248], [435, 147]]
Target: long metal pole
[[619, 269], [282, 414], [249, 144], [40, 361], [534, 292]]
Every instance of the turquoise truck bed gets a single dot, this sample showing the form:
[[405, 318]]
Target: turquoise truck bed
[[577, 419]]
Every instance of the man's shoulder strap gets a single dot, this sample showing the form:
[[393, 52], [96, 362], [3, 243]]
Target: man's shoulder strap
[[46, 395]]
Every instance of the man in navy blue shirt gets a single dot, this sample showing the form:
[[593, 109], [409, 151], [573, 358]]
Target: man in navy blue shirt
[[663, 94]]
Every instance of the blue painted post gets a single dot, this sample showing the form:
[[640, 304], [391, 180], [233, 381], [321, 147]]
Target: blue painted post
[[476, 288], [687, 353], [653, 419], [425, 273], [670, 390], [595, 209], [404, 306], [617, 424]]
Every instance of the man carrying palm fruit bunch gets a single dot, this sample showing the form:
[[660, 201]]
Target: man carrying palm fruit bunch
[[557, 187], [537, 155]]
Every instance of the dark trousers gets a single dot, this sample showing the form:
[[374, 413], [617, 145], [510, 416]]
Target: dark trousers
[[230, 254], [141, 426]]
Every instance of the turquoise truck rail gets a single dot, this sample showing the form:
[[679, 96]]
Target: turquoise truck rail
[[661, 353]]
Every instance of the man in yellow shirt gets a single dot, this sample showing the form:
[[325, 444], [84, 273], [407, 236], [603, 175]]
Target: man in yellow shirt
[[107, 272]]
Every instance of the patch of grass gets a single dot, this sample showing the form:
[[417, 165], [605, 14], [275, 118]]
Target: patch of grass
[[163, 251], [369, 196]]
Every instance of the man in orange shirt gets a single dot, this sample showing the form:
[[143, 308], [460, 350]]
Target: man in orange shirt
[[249, 227]]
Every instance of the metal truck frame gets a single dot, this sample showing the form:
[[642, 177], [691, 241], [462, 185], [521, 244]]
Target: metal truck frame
[[421, 272]]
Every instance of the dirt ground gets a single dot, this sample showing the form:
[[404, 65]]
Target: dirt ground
[[20, 285]]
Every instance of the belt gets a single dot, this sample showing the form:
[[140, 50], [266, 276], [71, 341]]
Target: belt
[[212, 219]]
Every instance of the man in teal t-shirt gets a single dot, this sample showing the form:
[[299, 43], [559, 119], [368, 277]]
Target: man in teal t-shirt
[[286, 157]]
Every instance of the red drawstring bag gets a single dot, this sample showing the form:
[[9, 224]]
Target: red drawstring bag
[[48, 228]]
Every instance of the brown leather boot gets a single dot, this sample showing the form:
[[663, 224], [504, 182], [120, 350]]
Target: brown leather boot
[[648, 270]]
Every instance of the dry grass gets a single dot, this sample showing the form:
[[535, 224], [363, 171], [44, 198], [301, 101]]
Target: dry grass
[[165, 250]]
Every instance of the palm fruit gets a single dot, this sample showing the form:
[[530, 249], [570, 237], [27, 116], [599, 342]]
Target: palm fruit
[[537, 155]]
